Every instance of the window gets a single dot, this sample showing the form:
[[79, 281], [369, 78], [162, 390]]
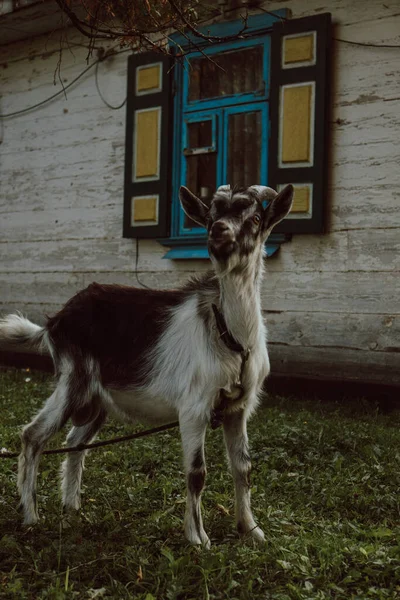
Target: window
[[224, 121], [249, 111]]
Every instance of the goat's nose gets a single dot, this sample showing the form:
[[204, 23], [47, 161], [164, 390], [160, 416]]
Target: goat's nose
[[218, 229]]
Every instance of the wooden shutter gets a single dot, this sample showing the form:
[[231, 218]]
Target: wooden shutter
[[148, 135], [298, 153]]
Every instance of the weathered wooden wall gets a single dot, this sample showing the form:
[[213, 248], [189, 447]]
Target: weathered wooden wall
[[332, 300]]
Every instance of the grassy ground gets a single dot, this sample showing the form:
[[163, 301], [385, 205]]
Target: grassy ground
[[325, 490]]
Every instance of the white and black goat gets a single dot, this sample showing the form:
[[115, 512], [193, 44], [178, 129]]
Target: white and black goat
[[197, 353]]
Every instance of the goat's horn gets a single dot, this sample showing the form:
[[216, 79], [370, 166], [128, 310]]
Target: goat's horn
[[224, 188], [264, 192]]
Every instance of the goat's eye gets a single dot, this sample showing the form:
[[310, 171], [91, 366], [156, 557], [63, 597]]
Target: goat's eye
[[257, 219]]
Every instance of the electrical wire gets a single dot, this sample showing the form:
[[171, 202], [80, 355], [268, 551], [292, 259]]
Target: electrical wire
[[34, 106], [136, 266], [96, 74], [66, 87], [367, 44]]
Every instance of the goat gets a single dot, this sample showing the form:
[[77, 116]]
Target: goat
[[197, 353]]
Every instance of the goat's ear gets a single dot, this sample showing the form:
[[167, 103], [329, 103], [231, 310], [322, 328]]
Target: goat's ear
[[278, 208], [193, 206]]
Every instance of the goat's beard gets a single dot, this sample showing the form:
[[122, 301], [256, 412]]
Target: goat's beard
[[239, 264], [227, 262], [222, 251]]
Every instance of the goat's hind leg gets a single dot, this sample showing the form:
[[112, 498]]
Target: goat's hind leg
[[72, 467], [34, 436]]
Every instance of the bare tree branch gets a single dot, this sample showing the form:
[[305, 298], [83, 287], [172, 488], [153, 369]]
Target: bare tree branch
[[135, 22]]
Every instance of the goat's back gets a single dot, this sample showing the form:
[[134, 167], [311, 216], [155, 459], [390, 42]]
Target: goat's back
[[116, 325]]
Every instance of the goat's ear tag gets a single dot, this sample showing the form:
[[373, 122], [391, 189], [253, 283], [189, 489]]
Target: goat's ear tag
[[193, 206]]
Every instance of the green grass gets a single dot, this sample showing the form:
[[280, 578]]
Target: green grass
[[325, 491]]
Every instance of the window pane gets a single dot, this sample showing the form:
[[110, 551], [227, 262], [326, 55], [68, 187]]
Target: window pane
[[226, 74], [200, 134], [201, 179], [244, 149]]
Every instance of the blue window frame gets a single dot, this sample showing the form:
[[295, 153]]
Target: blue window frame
[[214, 113], [230, 111]]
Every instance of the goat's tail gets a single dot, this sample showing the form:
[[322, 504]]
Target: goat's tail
[[16, 330]]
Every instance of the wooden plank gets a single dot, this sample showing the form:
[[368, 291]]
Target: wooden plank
[[358, 250], [348, 292], [56, 224], [380, 333], [57, 288], [83, 129], [35, 312], [368, 206], [373, 250], [357, 293], [89, 255], [37, 289], [328, 363]]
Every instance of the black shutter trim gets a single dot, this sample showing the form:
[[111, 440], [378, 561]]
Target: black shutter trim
[[162, 186], [321, 74]]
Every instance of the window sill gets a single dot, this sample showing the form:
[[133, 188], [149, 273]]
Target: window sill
[[196, 247]]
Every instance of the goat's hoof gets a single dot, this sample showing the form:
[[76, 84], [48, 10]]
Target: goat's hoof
[[204, 541], [66, 521], [198, 539], [69, 515], [30, 519], [254, 532], [71, 507], [258, 535]]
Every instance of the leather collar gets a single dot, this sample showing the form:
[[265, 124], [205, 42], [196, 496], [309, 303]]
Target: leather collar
[[225, 335]]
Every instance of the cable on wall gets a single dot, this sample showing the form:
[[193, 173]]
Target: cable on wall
[[53, 96], [34, 106], [96, 75], [136, 267], [367, 44]]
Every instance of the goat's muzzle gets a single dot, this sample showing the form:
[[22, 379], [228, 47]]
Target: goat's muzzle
[[221, 240]]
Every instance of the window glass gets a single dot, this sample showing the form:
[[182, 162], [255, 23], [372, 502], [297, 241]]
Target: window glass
[[201, 175], [200, 134], [226, 74], [244, 148]]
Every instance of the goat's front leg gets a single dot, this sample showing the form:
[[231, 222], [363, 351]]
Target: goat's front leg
[[235, 434], [193, 432]]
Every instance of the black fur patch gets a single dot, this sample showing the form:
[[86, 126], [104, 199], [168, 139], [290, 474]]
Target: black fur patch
[[196, 482], [198, 460], [118, 326], [83, 436], [241, 529]]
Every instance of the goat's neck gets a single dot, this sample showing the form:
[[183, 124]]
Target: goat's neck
[[240, 303]]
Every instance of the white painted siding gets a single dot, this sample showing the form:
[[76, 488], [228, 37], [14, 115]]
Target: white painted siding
[[332, 300]]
